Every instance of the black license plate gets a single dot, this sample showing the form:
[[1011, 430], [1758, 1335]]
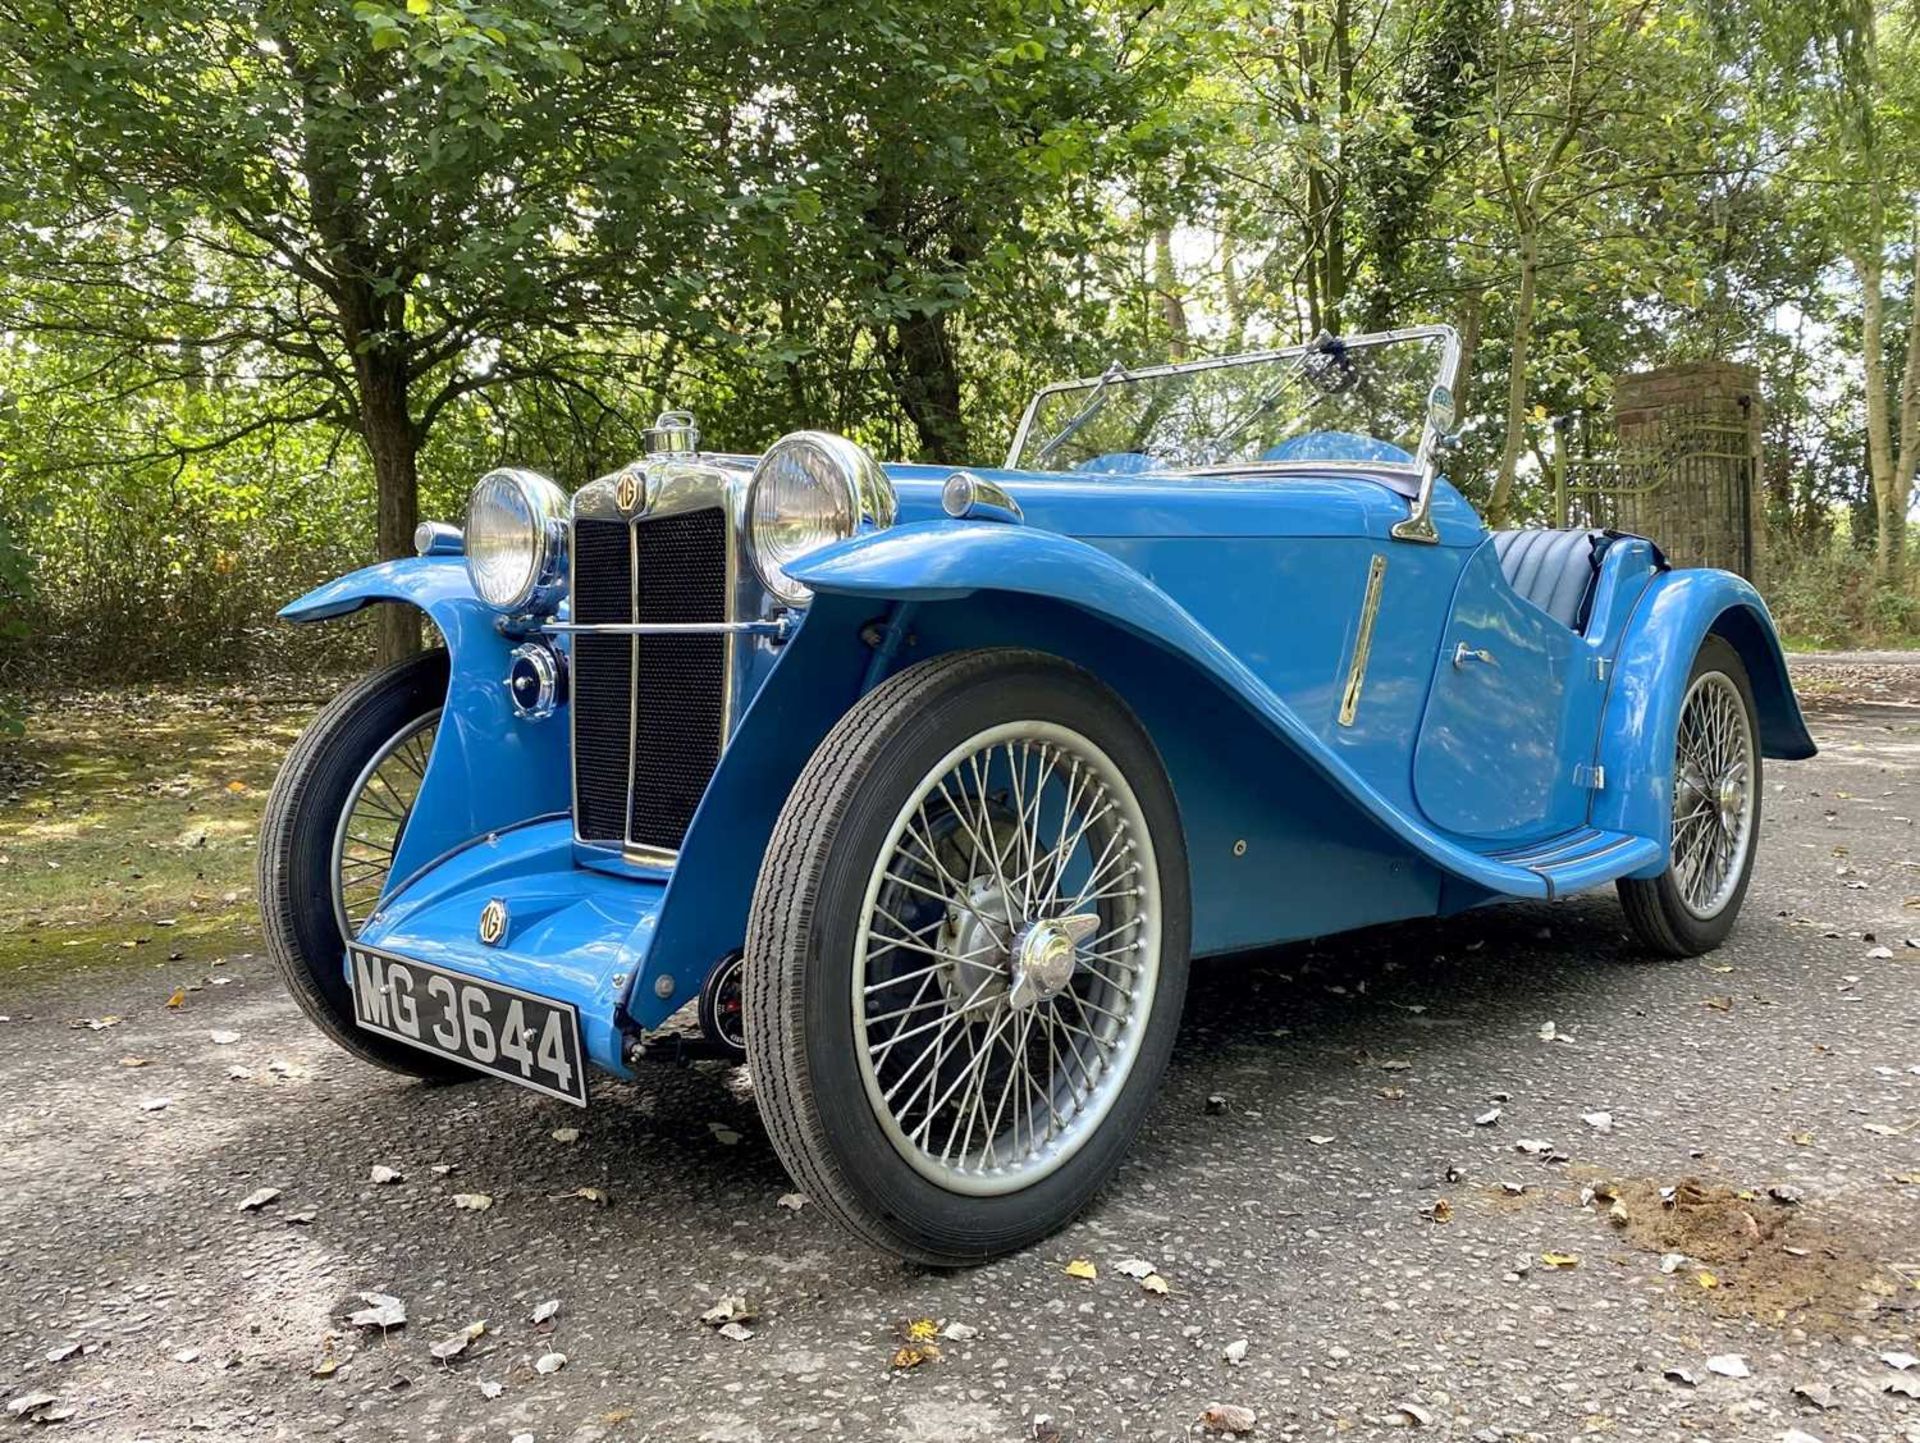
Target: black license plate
[[501, 1031]]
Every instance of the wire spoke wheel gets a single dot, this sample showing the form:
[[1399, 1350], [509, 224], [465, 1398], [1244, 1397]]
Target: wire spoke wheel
[[368, 835], [1006, 958], [1713, 794]]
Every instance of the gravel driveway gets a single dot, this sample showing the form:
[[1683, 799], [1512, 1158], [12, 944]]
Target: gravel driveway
[[1364, 1180]]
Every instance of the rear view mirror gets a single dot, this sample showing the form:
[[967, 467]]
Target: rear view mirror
[[1440, 409]]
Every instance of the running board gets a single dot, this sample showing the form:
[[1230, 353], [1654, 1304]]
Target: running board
[[1581, 858]]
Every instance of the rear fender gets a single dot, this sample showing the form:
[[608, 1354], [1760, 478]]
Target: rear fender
[[1678, 611], [489, 769]]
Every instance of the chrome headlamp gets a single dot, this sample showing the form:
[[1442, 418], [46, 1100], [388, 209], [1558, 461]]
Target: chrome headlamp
[[516, 541], [811, 489]]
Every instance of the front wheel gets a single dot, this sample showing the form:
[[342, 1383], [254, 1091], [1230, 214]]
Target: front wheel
[[967, 954], [332, 827], [1690, 908]]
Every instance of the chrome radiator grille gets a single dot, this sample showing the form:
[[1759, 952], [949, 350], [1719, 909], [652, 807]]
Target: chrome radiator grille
[[649, 712]]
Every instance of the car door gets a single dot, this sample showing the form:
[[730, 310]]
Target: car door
[[1494, 759]]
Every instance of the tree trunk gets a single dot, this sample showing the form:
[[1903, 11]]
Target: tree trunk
[[388, 428], [1867, 265], [1166, 287], [1502, 500], [1230, 290], [1899, 495], [926, 377], [1473, 310]]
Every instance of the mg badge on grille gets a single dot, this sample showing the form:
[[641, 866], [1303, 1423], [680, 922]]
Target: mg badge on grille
[[630, 491], [493, 922]]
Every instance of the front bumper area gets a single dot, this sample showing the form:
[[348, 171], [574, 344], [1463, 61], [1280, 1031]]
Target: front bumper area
[[572, 934]]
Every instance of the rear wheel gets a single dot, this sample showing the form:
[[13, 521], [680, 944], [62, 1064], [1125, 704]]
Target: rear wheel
[[1690, 908], [332, 827], [967, 955]]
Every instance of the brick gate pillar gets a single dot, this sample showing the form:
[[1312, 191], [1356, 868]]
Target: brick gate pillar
[[1689, 439]]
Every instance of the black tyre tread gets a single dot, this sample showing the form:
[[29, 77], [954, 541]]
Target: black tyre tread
[[780, 921], [275, 876], [1657, 918]]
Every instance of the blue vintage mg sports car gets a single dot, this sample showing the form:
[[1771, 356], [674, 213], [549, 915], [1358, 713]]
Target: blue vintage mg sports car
[[922, 786]]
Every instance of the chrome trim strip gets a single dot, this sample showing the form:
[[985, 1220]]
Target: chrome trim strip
[[1363, 643], [779, 626]]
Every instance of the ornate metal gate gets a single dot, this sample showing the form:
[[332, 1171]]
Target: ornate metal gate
[[1679, 467]]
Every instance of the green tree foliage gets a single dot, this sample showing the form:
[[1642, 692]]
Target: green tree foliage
[[277, 278]]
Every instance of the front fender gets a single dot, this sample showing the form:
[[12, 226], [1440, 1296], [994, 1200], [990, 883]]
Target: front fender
[[1677, 612], [489, 769]]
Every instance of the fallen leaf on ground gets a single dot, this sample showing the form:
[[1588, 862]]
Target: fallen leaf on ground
[[1901, 1361], [1081, 1268], [1681, 1375], [723, 1134], [1818, 1394], [489, 1389], [1320, 1139], [597, 1196], [566, 1134], [1560, 1260], [550, 1362], [223, 1038], [1228, 1418], [135, 1061], [1487, 1118], [382, 1310], [472, 1202], [30, 1403], [95, 1024], [155, 1104], [1154, 1283], [738, 1332], [1903, 1385], [237, 1073], [63, 1352], [1671, 1263], [1533, 1146], [1438, 1211], [791, 1201], [178, 999], [1598, 1121], [1135, 1268], [381, 1173], [733, 1309], [1235, 1352], [305, 1215], [1799, 1435], [1729, 1365], [453, 1346], [1706, 1279], [912, 1355], [257, 1199], [545, 1311], [1416, 1415], [959, 1332]]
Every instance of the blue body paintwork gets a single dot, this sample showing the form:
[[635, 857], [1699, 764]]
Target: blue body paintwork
[[1224, 611]]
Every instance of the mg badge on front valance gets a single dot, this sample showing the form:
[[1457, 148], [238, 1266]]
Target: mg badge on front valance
[[493, 922]]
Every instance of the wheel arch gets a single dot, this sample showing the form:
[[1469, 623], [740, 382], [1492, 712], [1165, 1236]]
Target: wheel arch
[[489, 769], [1678, 612]]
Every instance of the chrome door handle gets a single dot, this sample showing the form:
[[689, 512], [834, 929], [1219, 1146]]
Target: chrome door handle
[[1462, 654]]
